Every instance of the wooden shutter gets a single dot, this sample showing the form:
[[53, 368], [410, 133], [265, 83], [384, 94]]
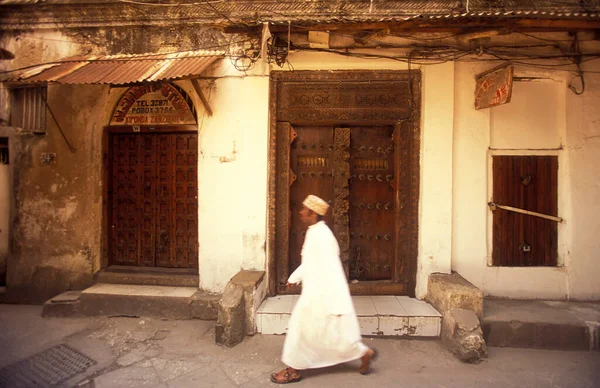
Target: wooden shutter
[[529, 183]]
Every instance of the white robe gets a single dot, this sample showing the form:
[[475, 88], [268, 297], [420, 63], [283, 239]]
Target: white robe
[[323, 329]]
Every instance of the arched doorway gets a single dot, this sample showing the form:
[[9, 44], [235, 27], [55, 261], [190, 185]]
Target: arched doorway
[[151, 179]]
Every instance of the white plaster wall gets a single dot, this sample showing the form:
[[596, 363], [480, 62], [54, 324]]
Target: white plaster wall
[[435, 221], [583, 148], [232, 176], [545, 117], [534, 118]]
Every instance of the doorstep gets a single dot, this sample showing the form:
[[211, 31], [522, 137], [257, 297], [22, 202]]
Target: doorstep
[[385, 316], [135, 300], [542, 324], [149, 276]]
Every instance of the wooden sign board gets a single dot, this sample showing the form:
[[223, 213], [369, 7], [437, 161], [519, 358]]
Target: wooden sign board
[[155, 104], [494, 87]]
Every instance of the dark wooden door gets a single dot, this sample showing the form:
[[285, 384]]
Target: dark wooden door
[[372, 203], [528, 183], [352, 169], [154, 216], [312, 165]]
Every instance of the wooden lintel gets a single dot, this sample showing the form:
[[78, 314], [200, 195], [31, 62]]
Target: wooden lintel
[[372, 35], [202, 97], [442, 25]]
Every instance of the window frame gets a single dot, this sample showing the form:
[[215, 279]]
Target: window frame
[[28, 108], [563, 229]]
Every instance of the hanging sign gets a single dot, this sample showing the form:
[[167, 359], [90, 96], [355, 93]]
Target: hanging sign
[[155, 104], [494, 87]]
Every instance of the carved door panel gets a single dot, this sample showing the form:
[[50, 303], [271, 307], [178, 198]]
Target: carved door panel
[[372, 202], [311, 161], [147, 166], [154, 200], [353, 170], [125, 196], [185, 233], [164, 210]]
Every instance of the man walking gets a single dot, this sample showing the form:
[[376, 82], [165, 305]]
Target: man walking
[[323, 329]]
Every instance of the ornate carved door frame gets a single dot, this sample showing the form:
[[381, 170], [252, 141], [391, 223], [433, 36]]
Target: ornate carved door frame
[[346, 98]]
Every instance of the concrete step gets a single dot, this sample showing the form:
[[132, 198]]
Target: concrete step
[[562, 325], [171, 277], [135, 300], [393, 316]]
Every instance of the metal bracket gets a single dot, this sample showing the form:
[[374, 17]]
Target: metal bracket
[[202, 97], [71, 148]]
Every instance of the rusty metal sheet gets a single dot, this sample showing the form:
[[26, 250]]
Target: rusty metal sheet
[[119, 69], [494, 87]]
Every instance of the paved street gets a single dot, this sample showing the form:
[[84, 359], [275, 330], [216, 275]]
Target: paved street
[[148, 352]]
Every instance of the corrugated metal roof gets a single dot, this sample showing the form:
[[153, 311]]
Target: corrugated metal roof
[[118, 69], [322, 10], [93, 13]]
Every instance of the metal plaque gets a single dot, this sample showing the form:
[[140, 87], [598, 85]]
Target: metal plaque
[[494, 87]]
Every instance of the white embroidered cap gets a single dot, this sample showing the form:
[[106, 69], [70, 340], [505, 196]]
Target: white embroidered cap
[[316, 204]]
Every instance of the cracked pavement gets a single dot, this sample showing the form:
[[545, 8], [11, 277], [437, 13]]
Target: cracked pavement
[[150, 352]]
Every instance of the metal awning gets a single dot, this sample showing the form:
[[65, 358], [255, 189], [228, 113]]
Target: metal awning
[[117, 69]]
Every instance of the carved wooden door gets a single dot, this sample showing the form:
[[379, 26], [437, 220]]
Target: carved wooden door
[[312, 165], [353, 138], [372, 203], [125, 247], [154, 217], [353, 170]]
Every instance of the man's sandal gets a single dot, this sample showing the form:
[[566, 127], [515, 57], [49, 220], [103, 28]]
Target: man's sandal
[[369, 356], [286, 376]]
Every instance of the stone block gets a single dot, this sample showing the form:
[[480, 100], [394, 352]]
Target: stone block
[[231, 326], [204, 306], [66, 304], [254, 292], [449, 291], [168, 277], [462, 334], [537, 335]]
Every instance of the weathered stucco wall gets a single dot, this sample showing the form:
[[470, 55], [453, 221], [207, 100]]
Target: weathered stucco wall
[[55, 240], [232, 174], [435, 222], [56, 206], [543, 118], [583, 148], [56, 231]]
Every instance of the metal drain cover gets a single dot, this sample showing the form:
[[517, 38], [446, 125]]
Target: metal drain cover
[[46, 369]]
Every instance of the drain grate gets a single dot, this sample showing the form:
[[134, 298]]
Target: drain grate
[[46, 369]]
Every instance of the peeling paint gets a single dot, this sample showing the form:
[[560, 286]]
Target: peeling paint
[[231, 158]]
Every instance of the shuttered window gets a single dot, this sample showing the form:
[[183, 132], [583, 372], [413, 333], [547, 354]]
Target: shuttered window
[[28, 109], [528, 183]]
